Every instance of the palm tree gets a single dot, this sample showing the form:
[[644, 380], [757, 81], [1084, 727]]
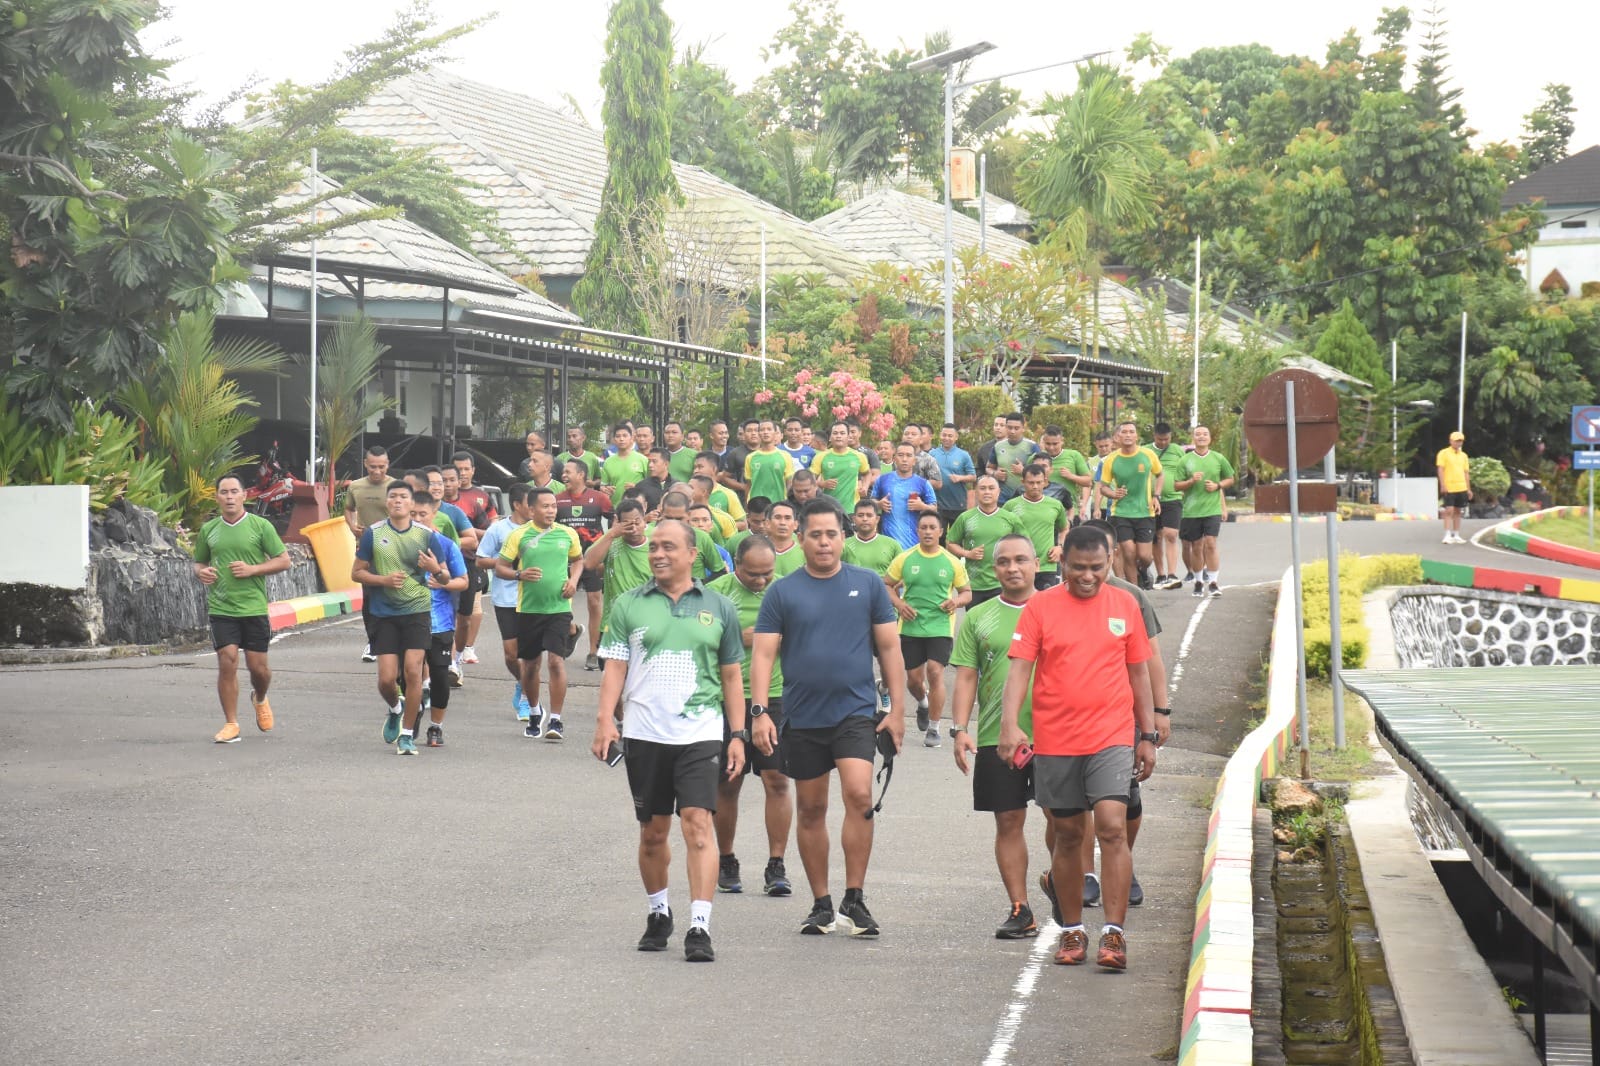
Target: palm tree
[[344, 404], [1091, 173]]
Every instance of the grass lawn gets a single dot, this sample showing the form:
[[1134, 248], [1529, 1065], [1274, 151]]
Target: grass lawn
[[1569, 531], [1328, 763]]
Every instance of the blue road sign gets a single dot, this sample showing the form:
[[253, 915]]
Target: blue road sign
[[1586, 460], [1586, 424]]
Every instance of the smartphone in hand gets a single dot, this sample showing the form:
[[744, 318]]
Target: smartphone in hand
[[1022, 756], [614, 753]]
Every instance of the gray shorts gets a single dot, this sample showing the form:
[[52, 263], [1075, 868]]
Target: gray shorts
[[1071, 784]]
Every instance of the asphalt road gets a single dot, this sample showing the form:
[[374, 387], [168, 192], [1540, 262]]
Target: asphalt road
[[306, 896]]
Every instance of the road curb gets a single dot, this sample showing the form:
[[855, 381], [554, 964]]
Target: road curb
[[1513, 535], [1464, 575], [1342, 518], [283, 614]]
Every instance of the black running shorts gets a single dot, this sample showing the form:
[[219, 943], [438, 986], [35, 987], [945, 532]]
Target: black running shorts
[[982, 596], [252, 633], [1046, 579], [1171, 514], [506, 619], [918, 650], [1458, 500], [812, 753], [666, 778], [396, 634], [1194, 529], [592, 581], [539, 633], [1138, 530], [997, 785]]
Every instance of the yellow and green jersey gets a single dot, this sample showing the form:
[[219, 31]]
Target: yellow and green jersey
[[984, 644], [551, 550], [928, 579], [1137, 474]]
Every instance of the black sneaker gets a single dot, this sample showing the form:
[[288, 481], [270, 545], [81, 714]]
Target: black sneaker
[[728, 874], [531, 729], [776, 878], [435, 737], [1091, 890], [572, 644], [858, 920], [1135, 892], [657, 931], [922, 717], [1215, 590], [1047, 885], [1199, 589], [1019, 926], [553, 730], [697, 945], [820, 921], [1188, 576]]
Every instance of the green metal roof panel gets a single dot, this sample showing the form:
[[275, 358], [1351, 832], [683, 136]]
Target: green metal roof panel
[[1516, 750]]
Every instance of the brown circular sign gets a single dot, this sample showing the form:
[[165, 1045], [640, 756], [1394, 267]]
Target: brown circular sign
[[1316, 416]]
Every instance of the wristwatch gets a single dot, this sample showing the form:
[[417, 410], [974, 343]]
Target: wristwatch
[[757, 710], [1166, 711], [740, 734], [957, 730], [1154, 738]]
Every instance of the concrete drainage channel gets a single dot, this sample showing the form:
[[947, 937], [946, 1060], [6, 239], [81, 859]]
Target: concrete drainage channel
[[1322, 992]]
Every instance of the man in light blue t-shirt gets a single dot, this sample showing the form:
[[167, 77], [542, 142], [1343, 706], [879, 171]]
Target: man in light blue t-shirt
[[959, 475], [502, 593]]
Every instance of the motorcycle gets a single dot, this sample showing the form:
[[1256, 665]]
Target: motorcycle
[[272, 494]]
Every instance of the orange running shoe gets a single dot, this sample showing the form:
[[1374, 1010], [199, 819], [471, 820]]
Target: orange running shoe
[[1113, 951], [263, 713], [1073, 948], [229, 734]]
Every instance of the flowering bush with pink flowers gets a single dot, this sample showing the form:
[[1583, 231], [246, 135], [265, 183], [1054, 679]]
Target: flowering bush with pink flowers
[[821, 398]]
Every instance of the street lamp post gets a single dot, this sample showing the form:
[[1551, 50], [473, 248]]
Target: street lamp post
[[948, 61]]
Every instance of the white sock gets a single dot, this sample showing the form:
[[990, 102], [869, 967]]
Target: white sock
[[1073, 928], [1216, 576], [397, 708], [406, 732], [1111, 927], [538, 711], [700, 914], [1205, 575], [658, 902]]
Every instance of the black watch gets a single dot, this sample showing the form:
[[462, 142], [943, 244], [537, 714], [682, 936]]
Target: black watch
[[1154, 738], [757, 710], [957, 730], [740, 734]]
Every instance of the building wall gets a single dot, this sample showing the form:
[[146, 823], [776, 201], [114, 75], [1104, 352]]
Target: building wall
[[1570, 243]]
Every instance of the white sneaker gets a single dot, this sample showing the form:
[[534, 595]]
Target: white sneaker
[[367, 656], [1460, 539], [1448, 539], [469, 656]]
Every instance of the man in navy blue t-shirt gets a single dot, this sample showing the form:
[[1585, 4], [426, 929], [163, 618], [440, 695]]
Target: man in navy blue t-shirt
[[826, 620]]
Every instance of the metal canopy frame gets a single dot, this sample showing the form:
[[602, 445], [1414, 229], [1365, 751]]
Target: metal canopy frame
[[1108, 377]]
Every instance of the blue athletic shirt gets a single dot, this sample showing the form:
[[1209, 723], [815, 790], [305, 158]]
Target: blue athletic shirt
[[502, 593], [802, 455], [900, 523], [826, 625], [444, 603], [952, 461]]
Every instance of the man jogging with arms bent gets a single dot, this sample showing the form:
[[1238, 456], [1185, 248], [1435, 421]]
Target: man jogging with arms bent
[[232, 557], [825, 620], [672, 676]]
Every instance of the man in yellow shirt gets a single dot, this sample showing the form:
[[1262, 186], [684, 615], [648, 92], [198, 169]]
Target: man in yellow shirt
[[1455, 483]]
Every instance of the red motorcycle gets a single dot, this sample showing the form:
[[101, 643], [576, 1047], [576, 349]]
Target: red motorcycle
[[273, 491]]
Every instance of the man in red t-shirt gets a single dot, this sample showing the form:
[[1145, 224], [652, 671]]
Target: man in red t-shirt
[[589, 513], [1083, 646], [480, 512]]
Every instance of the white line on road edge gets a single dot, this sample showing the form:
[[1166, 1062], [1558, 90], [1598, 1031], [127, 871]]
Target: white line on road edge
[[327, 624], [1183, 648], [1006, 1032]]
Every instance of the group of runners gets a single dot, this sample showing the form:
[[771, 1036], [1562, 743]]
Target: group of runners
[[763, 608]]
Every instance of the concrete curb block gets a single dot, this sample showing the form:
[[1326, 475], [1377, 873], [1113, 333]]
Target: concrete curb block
[[282, 614], [1217, 995], [1461, 575], [1514, 535], [1342, 518]]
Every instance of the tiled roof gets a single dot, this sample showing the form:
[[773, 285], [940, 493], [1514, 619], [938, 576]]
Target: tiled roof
[[396, 245], [543, 171], [1573, 181], [888, 225]]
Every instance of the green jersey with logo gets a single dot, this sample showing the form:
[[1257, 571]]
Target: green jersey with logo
[[974, 527], [875, 554], [627, 567], [619, 471], [680, 464], [929, 580], [249, 540], [552, 551], [846, 467], [748, 604], [1172, 462], [984, 645], [768, 474], [1068, 462], [1212, 466], [675, 653], [1136, 473], [1042, 521]]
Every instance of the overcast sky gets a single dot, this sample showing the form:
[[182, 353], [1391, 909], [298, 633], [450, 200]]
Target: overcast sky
[[1501, 56]]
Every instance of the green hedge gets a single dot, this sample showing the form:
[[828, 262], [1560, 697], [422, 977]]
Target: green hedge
[[1075, 419], [976, 408], [1358, 575]]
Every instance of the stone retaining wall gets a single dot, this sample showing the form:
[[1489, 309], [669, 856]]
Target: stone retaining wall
[[1475, 627]]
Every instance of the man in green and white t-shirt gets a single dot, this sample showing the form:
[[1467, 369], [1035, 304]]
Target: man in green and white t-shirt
[[975, 533], [981, 659], [672, 683], [1204, 475], [1044, 520], [753, 573], [547, 558], [1167, 553], [927, 585], [233, 555]]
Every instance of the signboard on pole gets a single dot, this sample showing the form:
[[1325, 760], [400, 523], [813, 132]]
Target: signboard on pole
[[1586, 460], [1586, 424]]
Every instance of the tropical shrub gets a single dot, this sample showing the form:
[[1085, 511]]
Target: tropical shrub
[[841, 394], [1358, 575], [1075, 419], [1489, 476]]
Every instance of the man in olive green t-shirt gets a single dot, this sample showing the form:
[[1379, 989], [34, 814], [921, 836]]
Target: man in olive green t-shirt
[[233, 554]]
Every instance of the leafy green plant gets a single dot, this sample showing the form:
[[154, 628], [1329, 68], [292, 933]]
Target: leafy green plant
[[1358, 575], [190, 410], [1075, 419], [344, 404], [1489, 476]]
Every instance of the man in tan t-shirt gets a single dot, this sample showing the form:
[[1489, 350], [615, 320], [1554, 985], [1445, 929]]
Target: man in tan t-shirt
[[366, 502]]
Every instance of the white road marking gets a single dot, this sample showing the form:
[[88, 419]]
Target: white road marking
[[1005, 1033], [1183, 648], [324, 624]]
